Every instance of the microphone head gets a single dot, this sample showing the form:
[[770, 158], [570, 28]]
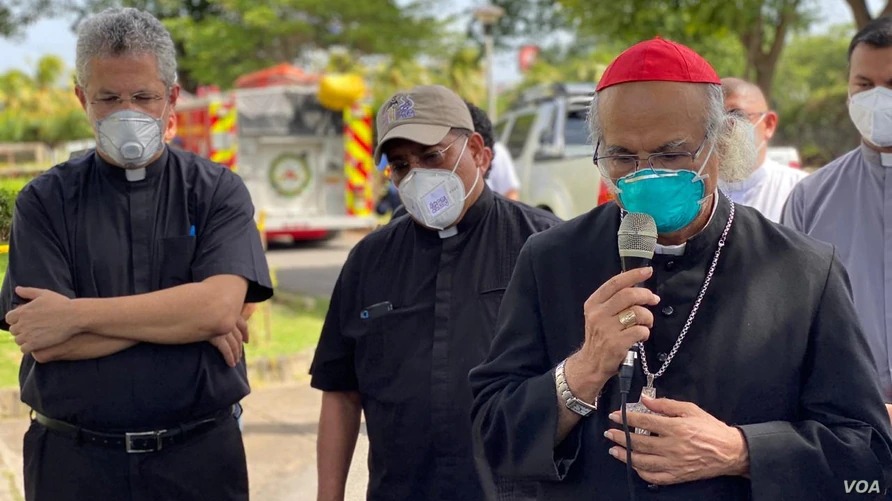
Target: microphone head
[[637, 236]]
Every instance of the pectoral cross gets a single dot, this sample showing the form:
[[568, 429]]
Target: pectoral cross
[[649, 391]]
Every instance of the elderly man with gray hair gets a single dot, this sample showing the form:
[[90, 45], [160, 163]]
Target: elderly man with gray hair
[[754, 377], [128, 269]]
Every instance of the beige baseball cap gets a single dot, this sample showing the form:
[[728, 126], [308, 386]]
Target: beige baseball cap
[[423, 114]]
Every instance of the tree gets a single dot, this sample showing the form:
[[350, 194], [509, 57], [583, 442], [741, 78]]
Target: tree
[[218, 40], [15, 15], [528, 20], [811, 91], [760, 27], [862, 14], [42, 107]]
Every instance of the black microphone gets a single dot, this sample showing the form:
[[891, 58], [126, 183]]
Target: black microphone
[[636, 239]]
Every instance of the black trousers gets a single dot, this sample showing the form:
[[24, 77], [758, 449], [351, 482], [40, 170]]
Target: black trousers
[[210, 466]]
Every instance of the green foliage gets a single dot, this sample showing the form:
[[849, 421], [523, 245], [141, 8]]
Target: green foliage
[[810, 96], [529, 20], [220, 40], [295, 326], [42, 107], [758, 27], [16, 15], [7, 204], [9, 189]]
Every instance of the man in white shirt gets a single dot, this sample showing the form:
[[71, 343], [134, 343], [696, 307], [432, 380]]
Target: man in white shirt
[[502, 176], [767, 187]]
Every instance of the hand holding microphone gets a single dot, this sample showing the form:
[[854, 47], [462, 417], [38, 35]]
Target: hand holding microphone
[[616, 316]]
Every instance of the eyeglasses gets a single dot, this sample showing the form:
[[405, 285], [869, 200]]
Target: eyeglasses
[[144, 101], [431, 159], [751, 116], [615, 167]]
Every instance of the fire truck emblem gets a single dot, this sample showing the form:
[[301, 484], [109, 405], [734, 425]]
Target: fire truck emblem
[[290, 174]]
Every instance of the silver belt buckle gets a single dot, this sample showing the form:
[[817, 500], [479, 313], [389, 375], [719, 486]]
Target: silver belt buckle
[[145, 435]]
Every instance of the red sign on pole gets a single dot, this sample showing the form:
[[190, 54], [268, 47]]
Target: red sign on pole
[[527, 56]]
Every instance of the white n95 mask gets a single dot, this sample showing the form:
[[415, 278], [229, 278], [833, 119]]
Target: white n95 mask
[[130, 138], [435, 197], [871, 112]]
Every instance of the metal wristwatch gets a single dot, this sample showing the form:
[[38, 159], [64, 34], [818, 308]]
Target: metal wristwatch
[[563, 389]]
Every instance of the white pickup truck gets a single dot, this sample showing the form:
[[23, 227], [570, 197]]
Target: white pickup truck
[[547, 135]]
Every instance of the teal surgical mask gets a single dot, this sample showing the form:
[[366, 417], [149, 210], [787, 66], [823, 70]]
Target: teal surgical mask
[[672, 197]]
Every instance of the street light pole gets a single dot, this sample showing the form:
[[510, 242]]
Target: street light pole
[[488, 15]]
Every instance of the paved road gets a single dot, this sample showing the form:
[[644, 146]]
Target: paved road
[[311, 269]]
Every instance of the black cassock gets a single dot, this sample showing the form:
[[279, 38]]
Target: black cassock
[[775, 349]]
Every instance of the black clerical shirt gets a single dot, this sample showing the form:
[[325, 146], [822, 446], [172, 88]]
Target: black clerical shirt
[[410, 315], [82, 229]]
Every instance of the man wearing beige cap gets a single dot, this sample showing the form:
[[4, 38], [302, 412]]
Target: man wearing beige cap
[[415, 308]]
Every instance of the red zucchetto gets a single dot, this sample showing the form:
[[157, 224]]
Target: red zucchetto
[[658, 60]]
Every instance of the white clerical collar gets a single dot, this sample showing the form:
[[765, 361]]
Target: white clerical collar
[[678, 249], [874, 157], [670, 250], [448, 232]]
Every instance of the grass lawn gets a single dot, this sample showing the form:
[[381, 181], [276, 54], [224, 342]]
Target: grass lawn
[[295, 326], [10, 357], [14, 184]]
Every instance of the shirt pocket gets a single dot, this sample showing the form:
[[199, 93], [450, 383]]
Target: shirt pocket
[[392, 357], [175, 261], [490, 302]]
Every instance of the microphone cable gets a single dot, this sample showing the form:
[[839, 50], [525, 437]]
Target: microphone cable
[[625, 382]]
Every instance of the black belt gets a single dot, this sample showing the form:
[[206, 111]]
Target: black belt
[[136, 442]]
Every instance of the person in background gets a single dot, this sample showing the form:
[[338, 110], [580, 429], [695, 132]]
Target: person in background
[[848, 202], [129, 268], [389, 201], [769, 183], [501, 176], [414, 309], [753, 380]]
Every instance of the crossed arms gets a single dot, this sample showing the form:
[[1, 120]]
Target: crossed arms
[[53, 327]]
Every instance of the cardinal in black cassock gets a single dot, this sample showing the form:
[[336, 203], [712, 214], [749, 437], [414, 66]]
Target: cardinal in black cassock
[[745, 330]]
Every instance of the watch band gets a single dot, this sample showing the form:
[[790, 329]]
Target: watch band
[[563, 389]]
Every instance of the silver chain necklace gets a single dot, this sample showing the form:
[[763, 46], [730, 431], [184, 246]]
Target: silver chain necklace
[[649, 390]]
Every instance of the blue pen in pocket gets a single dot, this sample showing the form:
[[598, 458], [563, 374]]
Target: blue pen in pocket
[[192, 230]]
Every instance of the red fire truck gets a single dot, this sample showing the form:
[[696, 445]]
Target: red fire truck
[[308, 168]]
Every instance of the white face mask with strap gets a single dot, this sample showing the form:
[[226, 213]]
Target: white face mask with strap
[[130, 138], [871, 112], [759, 144], [436, 197]]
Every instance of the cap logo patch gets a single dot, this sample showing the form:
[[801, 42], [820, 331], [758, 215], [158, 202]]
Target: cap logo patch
[[401, 107]]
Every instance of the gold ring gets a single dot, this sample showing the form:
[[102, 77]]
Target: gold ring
[[628, 318]]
